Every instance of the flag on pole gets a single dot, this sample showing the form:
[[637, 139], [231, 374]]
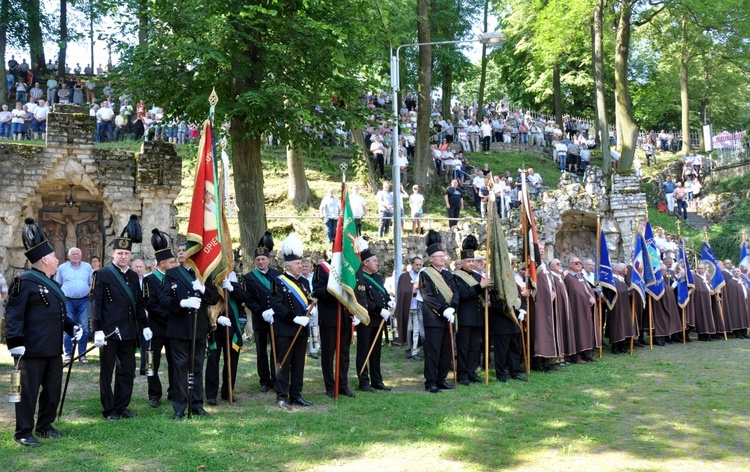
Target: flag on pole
[[501, 271], [208, 249], [531, 254], [345, 263], [637, 278], [717, 278], [744, 257], [654, 280], [606, 276], [686, 284]]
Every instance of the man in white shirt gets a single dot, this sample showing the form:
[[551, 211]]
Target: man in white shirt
[[74, 277], [477, 182], [473, 131], [486, 135], [39, 123], [402, 164], [535, 182], [329, 211], [561, 153], [416, 202], [104, 116], [359, 208], [378, 157], [385, 208]]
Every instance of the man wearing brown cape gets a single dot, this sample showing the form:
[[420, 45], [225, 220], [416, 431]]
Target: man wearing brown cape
[[667, 319], [734, 301], [567, 340], [620, 319], [546, 329], [702, 304], [409, 309], [584, 312]]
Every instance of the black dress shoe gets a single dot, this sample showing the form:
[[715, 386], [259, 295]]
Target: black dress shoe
[[112, 417], [466, 382], [381, 386], [659, 342], [153, 403], [519, 377], [264, 388], [49, 433], [283, 405], [347, 393], [503, 378], [445, 386], [313, 355], [475, 379], [367, 388], [200, 412], [433, 389], [744, 335], [178, 415], [211, 401], [127, 414], [329, 394], [301, 402], [417, 358], [29, 441]]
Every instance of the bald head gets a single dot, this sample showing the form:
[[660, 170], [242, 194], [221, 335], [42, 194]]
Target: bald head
[[575, 265]]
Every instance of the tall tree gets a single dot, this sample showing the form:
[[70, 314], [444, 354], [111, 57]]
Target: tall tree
[[34, 34], [597, 39], [423, 166]]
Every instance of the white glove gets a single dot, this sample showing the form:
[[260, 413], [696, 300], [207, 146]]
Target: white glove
[[449, 314], [268, 315], [77, 332], [385, 314], [197, 285], [227, 285], [301, 320], [356, 321], [391, 305], [99, 339], [224, 321], [192, 302], [314, 311], [674, 284], [18, 351], [521, 315], [147, 334]]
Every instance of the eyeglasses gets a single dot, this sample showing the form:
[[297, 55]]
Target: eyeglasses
[[577, 262]]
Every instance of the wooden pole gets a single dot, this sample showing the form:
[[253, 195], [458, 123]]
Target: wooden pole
[[453, 356], [337, 367], [273, 348], [229, 348], [372, 346], [490, 218], [599, 335], [651, 323], [294, 340], [718, 295], [632, 311], [684, 314]]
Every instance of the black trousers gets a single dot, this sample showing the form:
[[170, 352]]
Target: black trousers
[[366, 335], [155, 391], [290, 376], [468, 347], [212, 366], [328, 356], [122, 353], [181, 360], [266, 367], [486, 143], [437, 355], [507, 349], [45, 373], [378, 161], [453, 213]]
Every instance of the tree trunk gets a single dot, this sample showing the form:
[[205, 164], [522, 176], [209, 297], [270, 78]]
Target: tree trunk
[[142, 23], [684, 96], [423, 164], [248, 186], [557, 93], [447, 73], [622, 93], [4, 18], [36, 41], [483, 77], [91, 31], [372, 178], [62, 56], [601, 104], [299, 190]]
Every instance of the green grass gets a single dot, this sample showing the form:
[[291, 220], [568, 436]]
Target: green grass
[[673, 408]]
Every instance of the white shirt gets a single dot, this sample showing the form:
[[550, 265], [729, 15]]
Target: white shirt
[[19, 116], [105, 114], [358, 205], [416, 200], [486, 129], [40, 113]]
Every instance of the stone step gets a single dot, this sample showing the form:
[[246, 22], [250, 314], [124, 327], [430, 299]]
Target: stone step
[[697, 221]]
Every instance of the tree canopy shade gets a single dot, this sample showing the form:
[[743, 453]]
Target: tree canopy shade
[[284, 67]]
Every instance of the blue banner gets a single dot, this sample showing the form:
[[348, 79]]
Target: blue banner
[[687, 283], [707, 256], [654, 280], [637, 281], [744, 258], [606, 276]]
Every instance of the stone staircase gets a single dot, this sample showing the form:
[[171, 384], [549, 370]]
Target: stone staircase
[[697, 221]]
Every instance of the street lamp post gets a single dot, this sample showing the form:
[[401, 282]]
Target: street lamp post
[[491, 39]]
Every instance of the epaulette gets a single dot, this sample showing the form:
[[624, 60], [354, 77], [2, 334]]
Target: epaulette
[[15, 289]]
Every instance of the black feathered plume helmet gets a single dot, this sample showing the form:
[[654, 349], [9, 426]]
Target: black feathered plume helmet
[[265, 245], [131, 234], [35, 241], [432, 240], [162, 244], [468, 246]]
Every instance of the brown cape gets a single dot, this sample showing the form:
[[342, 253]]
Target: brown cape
[[584, 316], [702, 306]]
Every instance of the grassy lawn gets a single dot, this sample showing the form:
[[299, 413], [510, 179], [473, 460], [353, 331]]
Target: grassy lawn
[[673, 408]]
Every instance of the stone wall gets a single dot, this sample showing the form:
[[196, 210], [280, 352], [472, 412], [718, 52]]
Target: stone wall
[[121, 183], [732, 170], [516, 148]]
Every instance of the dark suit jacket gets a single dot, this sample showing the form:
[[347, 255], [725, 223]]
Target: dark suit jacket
[[111, 306]]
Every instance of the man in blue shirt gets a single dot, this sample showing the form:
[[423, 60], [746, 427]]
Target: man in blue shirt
[[668, 188], [75, 278]]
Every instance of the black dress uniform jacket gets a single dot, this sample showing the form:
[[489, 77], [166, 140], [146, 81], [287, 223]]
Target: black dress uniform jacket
[[111, 306], [176, 288], [255, 295], [158, 318]]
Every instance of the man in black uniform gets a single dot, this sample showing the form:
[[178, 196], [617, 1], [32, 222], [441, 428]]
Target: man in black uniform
[[440, 296], [378, 305], [506, 333], [328, 313], [117, 302], [254, 290], [228, 327], [470, 313], [290, 303], [35, 320], [187, 301], [158, 317]]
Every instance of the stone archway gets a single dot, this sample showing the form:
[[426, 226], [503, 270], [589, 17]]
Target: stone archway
[[576, 236]]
